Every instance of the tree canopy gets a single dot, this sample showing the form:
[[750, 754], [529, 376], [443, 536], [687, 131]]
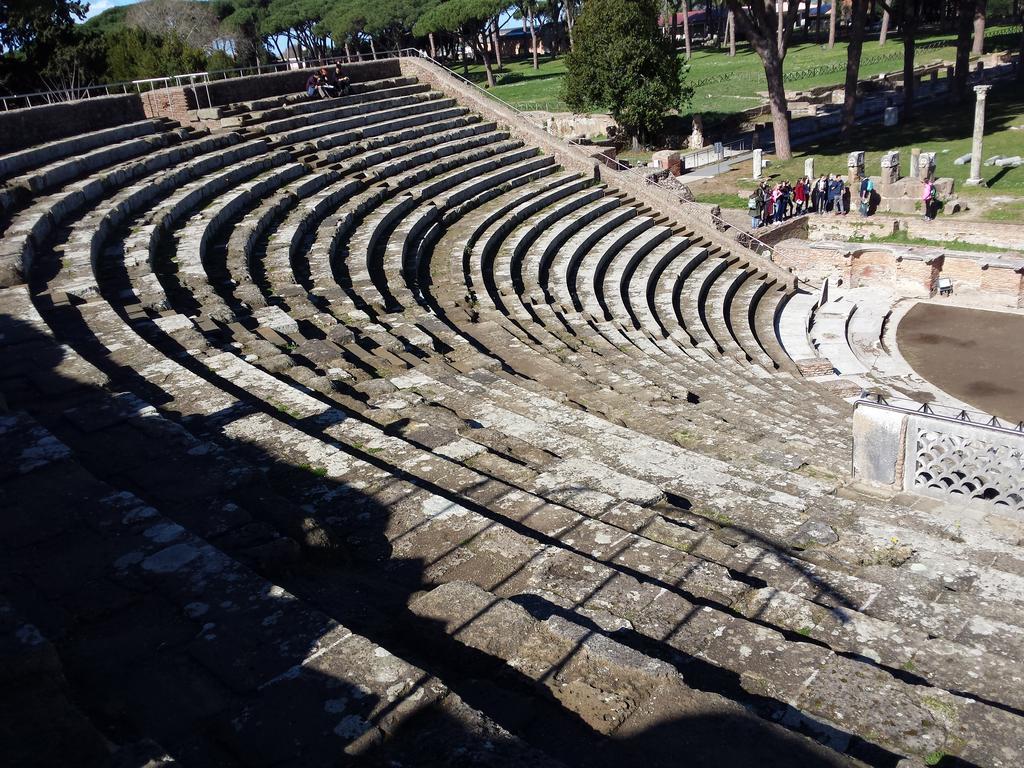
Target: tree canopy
[[620, 60]]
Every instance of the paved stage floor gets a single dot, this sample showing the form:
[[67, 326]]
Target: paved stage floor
[[975, 355]]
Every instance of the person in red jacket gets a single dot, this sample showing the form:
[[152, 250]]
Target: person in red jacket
[[800, 195]]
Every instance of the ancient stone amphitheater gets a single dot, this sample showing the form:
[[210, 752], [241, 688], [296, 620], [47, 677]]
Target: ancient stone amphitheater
[[363, 431]]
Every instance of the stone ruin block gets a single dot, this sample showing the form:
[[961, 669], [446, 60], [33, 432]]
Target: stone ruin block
[[926, 166], [855, 163], [668, 160], [890, 168]]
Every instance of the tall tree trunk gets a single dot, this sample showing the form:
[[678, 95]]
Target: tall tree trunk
[[533, 39], [497, 43], [373, 49], [978, 47], [730, 32], [911, 12], [832, 24], [884, 34], [780, 29], [778, 104], [755, 22], [433, 46], [570, 20], [858, 21], [687, 41], [965, 23], [481, 48]]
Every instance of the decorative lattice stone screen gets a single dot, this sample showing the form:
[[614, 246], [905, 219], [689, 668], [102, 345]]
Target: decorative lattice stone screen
[[969, 467], [956, 456]]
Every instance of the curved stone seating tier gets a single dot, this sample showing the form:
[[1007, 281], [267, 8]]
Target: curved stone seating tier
[[252, 383], [248, 114], [578, 230], [268, 107], [403, 265], [690, 299], [501, 253], [607, 277], [490, 151], [337, 146], [331, 112], [769, 301], [405, 106], [499, 231], [17, 163], [793, 319], [740, 314], [35, 224], [367, 246], [715, 310], [454, 356], [828, 335], [17, 191], [665, 302]]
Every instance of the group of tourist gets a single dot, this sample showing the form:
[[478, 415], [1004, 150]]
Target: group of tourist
[[827, 194], [323, 84]]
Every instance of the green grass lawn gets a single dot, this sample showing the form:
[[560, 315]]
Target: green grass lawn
[[722, 199], [947, 133], [902, 238], [726, 85]]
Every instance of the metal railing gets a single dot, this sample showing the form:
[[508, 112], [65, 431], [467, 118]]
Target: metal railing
[[938, 411]]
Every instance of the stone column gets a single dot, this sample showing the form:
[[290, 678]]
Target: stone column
[[915, 164], [855, 164], [979, 134], [758, 163], [809, 168]]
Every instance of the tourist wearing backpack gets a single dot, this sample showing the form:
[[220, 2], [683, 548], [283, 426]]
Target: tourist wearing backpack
[[867, 189], [930, 199], [755, 204]]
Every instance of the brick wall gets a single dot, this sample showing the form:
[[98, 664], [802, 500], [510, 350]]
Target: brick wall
[[1000, 282], [871, 268], [172, 103], [812, 264], [22, 128]]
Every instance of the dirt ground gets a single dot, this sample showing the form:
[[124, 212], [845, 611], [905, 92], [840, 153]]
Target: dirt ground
[[975, 355]]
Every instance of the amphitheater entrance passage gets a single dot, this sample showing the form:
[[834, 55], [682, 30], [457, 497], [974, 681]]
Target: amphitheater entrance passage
[[972, 354]]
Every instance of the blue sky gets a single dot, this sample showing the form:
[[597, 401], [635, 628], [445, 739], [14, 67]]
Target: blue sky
[[99, 6]]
